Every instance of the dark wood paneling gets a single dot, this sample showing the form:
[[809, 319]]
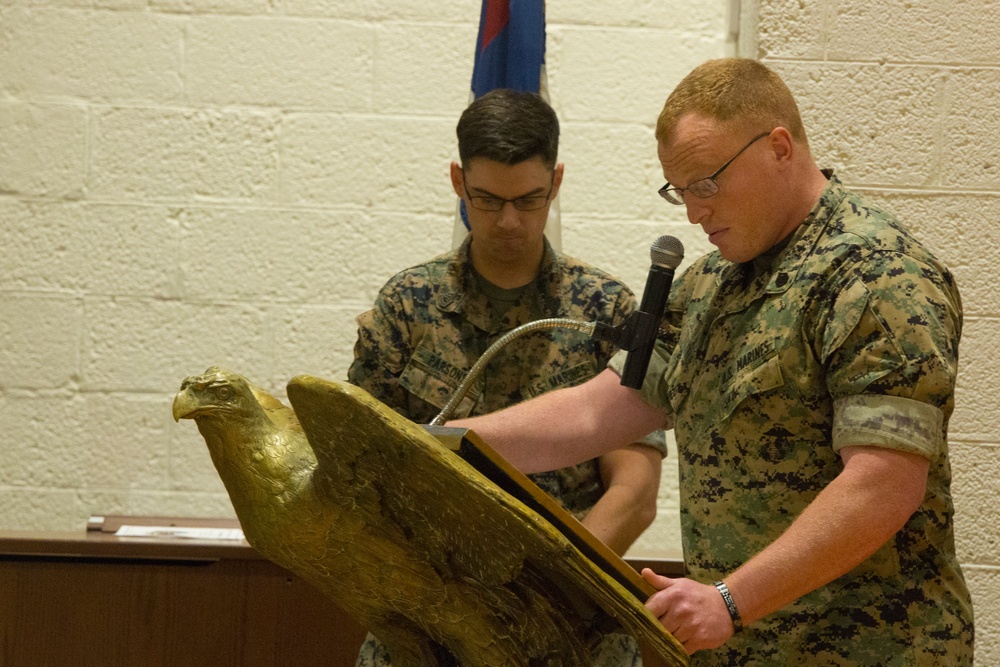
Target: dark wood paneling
[[96, 600], [136, 612]]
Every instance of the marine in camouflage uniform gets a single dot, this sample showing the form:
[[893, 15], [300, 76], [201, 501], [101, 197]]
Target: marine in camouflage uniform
[[432, 322], [847, 332]]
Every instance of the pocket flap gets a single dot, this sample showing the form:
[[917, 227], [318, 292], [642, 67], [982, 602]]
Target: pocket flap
[[433, 379]]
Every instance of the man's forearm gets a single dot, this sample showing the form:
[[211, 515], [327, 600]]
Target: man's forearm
[[631, 477], [567, 426], [848, 521], [852, 517]]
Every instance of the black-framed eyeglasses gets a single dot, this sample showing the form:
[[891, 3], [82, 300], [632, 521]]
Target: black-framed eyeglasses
[[494, 204], [705, 187]]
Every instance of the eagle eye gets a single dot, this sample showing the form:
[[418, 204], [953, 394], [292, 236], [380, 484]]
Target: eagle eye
[[223, 393]]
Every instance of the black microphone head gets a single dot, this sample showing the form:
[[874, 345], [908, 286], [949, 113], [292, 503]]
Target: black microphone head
[[667, 252]]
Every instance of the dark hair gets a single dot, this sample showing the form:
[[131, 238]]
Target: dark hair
[[509, 127]]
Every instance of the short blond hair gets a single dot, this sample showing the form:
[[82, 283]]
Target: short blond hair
[[741, 93]]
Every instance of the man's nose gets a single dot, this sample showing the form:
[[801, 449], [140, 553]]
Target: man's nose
[[697, 209], [510, 217]]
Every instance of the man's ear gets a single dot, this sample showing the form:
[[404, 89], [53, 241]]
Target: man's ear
[[782, 145], [557, 176], [458, 180]]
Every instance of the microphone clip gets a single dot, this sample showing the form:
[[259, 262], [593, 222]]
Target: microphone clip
[[627, 335]]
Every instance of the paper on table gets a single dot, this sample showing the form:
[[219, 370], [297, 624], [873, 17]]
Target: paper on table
[[178, 531]]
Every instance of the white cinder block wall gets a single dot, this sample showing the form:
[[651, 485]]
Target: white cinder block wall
[[187, 183]]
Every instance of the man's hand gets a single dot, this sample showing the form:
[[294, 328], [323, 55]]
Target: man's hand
[[695, 614]]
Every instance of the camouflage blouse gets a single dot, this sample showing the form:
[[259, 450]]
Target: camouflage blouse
[[846, 334], [430, 325]]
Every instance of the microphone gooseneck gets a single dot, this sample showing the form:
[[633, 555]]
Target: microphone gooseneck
[[500, 343]]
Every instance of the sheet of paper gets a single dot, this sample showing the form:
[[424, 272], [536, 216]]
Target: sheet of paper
[[181, 532]]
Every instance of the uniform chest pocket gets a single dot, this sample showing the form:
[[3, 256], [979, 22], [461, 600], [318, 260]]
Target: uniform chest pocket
[[433, 379], [757, 372], [781, 446]]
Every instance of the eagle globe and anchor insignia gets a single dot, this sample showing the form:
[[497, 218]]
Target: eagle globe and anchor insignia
[[388, 520]]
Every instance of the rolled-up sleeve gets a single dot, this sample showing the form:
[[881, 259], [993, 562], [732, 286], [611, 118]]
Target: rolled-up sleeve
[[890, 350]]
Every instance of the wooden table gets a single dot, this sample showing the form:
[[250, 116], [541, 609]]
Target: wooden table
[[94, 599]]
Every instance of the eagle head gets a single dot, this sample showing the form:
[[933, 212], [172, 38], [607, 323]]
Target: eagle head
[[216, 392]]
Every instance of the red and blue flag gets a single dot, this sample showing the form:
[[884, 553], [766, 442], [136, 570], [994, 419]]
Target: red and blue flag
[[510, 47]]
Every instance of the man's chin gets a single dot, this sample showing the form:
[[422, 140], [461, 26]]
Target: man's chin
[[735, 255], [510, 250]]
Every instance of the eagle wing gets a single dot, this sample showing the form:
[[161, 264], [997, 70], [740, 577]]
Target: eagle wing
[[452, 516]]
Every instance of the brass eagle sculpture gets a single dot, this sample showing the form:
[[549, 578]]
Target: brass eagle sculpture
[[426, 552]]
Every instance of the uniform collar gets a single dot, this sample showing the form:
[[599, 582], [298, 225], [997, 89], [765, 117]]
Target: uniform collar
[[789, 260], [458, 295], [774, 271]]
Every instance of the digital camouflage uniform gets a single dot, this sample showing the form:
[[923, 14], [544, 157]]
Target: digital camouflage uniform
[[846, 334], [430, 325]]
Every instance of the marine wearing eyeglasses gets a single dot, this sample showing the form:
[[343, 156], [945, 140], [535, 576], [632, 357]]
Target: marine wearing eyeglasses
[[507, 179], [432, 321], [808, 370]]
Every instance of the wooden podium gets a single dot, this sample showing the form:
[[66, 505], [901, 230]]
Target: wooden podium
[[333, 542], [93, 599]]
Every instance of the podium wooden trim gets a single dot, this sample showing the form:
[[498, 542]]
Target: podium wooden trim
[[93, 599]]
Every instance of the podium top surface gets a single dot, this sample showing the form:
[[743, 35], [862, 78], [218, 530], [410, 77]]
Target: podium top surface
[[95, 544]]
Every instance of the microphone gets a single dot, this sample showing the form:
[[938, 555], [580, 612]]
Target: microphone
[[666, 254], [636, 335]]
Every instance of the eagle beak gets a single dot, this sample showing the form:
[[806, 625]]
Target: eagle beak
[[184, 405]]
